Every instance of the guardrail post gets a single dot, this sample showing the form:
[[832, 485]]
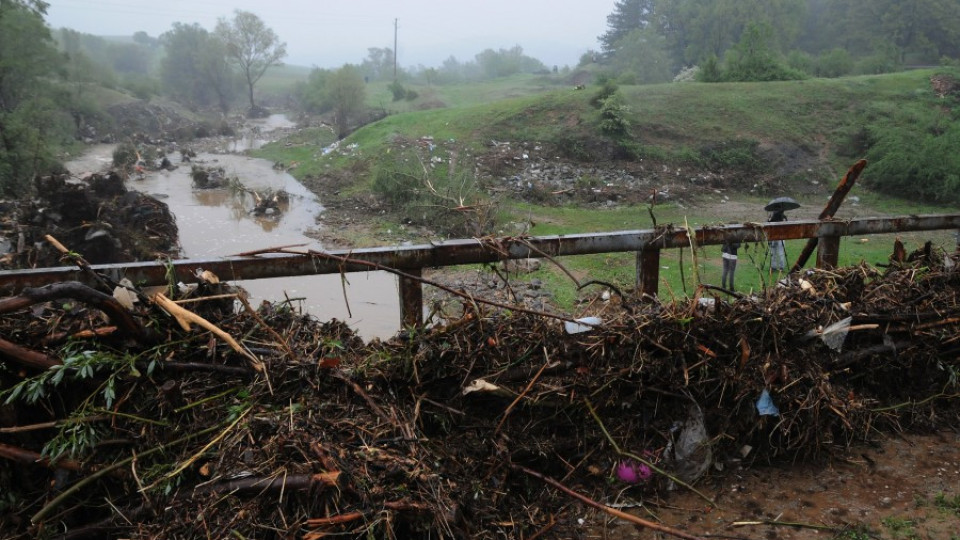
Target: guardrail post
[[648, 271], [828, 251], [411, 298]]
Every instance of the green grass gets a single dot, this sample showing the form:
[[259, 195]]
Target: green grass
[[460, 95], [281, 79]]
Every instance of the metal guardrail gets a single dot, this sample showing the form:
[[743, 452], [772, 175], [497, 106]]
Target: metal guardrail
[[411, 260]]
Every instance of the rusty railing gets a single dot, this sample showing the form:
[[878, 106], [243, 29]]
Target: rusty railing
[[409, 261]]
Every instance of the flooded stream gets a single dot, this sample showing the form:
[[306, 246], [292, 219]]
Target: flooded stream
[[219, 222]]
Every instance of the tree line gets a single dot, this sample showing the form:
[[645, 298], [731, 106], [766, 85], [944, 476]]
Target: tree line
[[654, 40]]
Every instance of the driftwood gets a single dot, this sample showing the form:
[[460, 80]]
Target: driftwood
[[291, 482], [844, 187], [185, 317]]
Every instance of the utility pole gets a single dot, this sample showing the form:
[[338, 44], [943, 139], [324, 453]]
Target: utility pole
[[395, 50]]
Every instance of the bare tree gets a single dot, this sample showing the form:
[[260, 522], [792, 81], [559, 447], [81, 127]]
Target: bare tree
[[251, 46]]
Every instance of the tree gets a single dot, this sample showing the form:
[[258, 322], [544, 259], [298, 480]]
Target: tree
[[697, 29], [251, 46], [379, 64], [627, 16], [195, 70], [32, 124], [347, 93], [643, 54], [312, 94]]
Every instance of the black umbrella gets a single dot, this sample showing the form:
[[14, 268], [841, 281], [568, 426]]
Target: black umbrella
[[781, 204]]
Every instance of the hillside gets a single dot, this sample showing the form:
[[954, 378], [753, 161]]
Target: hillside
[[692, 153]]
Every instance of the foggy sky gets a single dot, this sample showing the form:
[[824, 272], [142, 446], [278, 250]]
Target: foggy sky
[[328, 34]]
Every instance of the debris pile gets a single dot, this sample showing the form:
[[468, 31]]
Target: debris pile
[[266, 423], [96, 215]]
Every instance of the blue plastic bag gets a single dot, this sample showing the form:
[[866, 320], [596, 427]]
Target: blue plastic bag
[[765, 405]]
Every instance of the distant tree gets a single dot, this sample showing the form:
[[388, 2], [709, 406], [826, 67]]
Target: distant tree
[[451, 71], [143, 38], [251, 46], [754, 58], [696, 29], [312, 94], [643, 54], [347, 93], [37, 7], [378, 65], [505, 62], [195, 70], [129, 58], [627, 16]]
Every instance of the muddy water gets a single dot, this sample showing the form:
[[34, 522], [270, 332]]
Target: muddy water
[[218, 222]]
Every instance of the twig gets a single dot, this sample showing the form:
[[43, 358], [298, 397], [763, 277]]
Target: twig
[[67, 493], [533, 381], [604, 508], [187, 462], [297, 482]]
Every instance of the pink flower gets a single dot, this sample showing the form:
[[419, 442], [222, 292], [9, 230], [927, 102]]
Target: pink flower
[[631, 472]]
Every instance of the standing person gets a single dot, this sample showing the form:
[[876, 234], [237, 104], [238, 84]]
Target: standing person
[[729, 254], [778, 252]]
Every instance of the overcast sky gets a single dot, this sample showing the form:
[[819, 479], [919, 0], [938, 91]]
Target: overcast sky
[[328, 34]]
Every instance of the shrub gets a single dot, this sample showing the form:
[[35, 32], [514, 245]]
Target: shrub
[[608, 87], [125, 156], [613, 116], [687, 74], [398, 90], [710, 70], [834, 63]]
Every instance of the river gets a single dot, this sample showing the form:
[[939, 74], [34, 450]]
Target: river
[[218, 222]]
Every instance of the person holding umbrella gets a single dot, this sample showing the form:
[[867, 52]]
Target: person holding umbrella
[[777, 208]]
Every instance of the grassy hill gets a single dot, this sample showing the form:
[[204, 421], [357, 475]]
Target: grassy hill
[[720, 150]]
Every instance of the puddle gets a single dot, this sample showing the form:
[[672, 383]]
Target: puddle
[[218, 222]]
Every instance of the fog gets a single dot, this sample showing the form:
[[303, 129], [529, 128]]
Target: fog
[[328, 34]]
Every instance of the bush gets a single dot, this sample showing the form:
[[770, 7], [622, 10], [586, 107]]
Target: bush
[[917, 164], [834, 63], [449, 201], [398, 90], [710, 70], [688, 74], [125, 156], [613, 116], [800, 61], [608, 87]]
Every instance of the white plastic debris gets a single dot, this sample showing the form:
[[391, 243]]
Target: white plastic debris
[[480, 385], [581, 325]]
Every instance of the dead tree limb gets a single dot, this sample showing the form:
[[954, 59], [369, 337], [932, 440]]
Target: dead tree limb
[[844, 187], [82, 293], [26, 357]]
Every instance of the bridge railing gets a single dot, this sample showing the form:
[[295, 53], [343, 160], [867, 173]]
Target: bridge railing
[[409, 261]]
